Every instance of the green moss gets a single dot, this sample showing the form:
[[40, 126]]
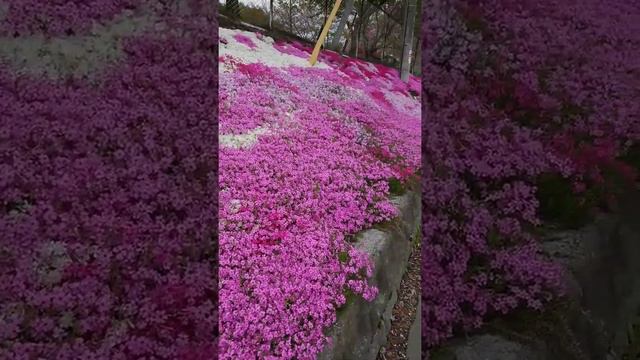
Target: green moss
[[388, 226], [442, 354], [544, 75], [343, 256], [494, 240], [560, 205], [617, 183], [504, 101], [632, 156], [417, 236], [570, 112], [288, 303], [527, 118], [477, 24], [396, 187], [350, 297]]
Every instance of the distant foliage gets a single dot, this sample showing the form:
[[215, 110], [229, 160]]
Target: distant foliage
[[256, 16], [232, 7], [519, 99]]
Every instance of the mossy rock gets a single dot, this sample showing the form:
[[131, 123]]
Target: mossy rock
[[396, 187]]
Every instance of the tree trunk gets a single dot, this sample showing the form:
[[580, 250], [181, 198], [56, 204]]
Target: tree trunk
[[361, 25], [270, 14], [348, 9], [417, 60], [414, 54], [233, 6], [357, 41], [326, 17], [417, 53], [410, 15], [290, 17], [384, 45], [326, 10], [354, 37]]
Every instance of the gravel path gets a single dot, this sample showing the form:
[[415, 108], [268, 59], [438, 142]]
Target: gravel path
[[403, 341], [414, 347]]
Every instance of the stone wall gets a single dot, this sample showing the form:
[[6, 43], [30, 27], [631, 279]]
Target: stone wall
[[362, 326], [604, 263]]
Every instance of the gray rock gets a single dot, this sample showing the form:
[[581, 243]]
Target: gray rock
[[362, 327], [601, 261], [491, 347]]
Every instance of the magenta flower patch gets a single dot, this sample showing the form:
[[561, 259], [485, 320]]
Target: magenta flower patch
[[512, 92], [356, 69], [293, 48], [305, 161], [109, 202], [244, 40]]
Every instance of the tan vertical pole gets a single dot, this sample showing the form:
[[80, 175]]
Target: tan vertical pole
[[323, 34]]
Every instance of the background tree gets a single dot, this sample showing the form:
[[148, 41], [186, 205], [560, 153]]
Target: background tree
[[410, 15], [368, 29], [348, 10], [270, 14], [233, 8]]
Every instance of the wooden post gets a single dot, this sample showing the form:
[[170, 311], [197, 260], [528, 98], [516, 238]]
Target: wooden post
[[323, 34]]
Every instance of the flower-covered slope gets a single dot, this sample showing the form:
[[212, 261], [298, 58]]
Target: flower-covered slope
[[59, 17], [515, 93], [306, 155], [108, 198]]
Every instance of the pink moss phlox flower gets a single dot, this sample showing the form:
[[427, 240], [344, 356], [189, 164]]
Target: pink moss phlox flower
[[109, 194], [290, 202], [245, 40], [356, 69], [513, 90]]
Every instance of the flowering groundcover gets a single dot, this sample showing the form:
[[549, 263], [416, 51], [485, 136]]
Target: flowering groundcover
[[531, 116], [108, 194], [306, 157]]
